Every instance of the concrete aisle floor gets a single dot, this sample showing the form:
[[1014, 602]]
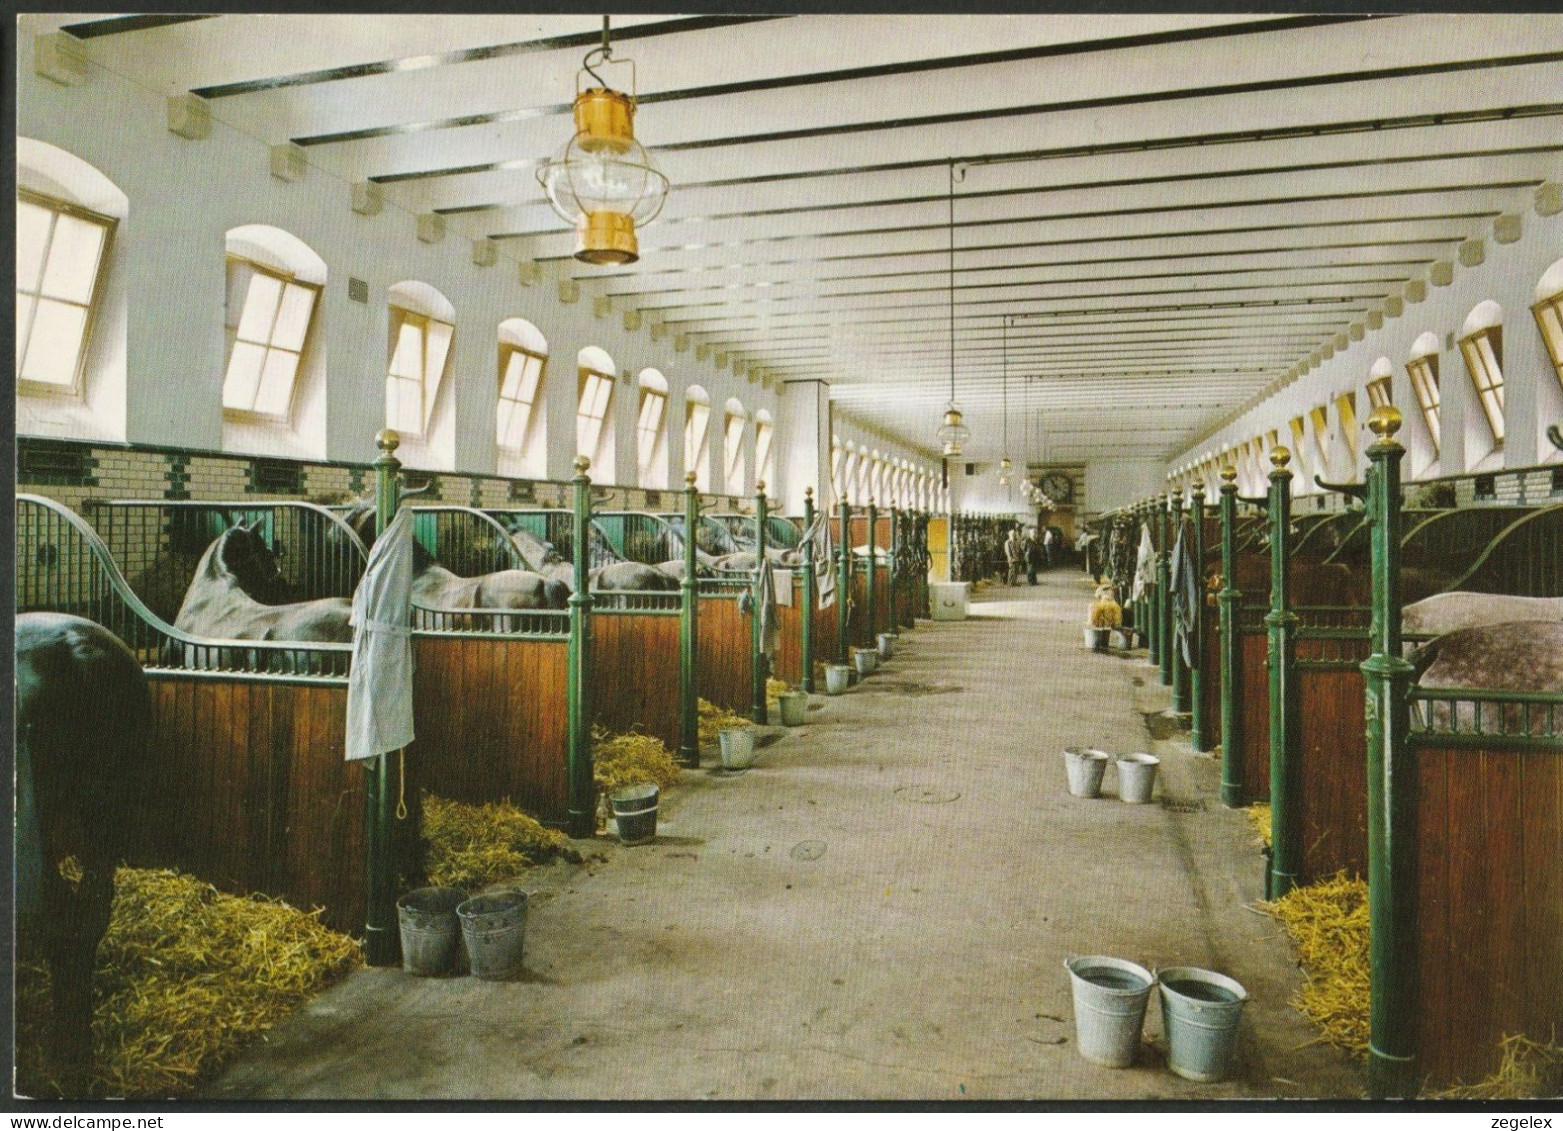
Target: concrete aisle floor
[[880, 909]]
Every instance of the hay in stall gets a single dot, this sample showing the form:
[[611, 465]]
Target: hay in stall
[[1259, 817], [1328, 921], [1530, 1071], [473, 846], [714, 720], [184, 978], [774, 690], [623, 760]]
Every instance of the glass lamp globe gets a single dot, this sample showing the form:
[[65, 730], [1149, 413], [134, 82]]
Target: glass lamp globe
[[953, 432]]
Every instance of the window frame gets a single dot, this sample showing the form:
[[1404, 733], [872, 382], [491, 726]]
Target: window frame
[[733, 463], [609, 380], [287, 279], [76, 390], [508, 350], [648, 439], [1476, 367], [764, 452], [401, 315], [1425, 387], [697, 454], [1380, 392], [1551, 305]]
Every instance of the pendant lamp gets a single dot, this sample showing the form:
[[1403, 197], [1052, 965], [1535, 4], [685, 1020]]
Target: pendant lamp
[[953, 432], [604, 182]]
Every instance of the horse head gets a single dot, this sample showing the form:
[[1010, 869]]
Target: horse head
[[535, 552], [241, 557]]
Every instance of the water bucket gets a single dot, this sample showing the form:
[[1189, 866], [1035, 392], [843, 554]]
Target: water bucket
[[431, 936], [867, 661], [794, 707], [1199, 1013], [635, 813], [1110, 996], [1137, 777], [887, 643], [493, 926], [737, 747], [1085, 769], [1096, 639], [838, 677]]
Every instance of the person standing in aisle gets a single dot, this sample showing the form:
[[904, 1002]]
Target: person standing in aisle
[[1014, 551], [1033, 552]]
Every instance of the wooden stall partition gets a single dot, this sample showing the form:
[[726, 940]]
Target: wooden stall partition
[[1332, 747], [1254, 708], [723, 652], [635, 672], [1489, 899], [492, 719], [247, 787], [788, 662], [1210, 675]]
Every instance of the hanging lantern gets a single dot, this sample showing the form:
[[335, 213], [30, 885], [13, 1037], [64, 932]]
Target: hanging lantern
[[1006, 472], [604, 183], [952, 432]]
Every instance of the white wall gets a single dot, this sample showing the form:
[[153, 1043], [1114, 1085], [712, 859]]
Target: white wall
[[1112, 483], [1533, 395], [184, 195]]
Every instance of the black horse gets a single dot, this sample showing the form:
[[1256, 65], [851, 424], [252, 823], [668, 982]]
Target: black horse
[[236, 595], [82, 713]]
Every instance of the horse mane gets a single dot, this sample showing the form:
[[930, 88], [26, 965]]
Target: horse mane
[[362, 518], [532, 546]]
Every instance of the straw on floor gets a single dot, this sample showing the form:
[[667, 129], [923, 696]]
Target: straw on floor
[[474, 846]]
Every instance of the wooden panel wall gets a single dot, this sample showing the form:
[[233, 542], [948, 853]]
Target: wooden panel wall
[[1210, 676], [248, 789], [492, 720], [1489, 890], [722, 655], [1254, 708], [635, 673], [1333, 779]]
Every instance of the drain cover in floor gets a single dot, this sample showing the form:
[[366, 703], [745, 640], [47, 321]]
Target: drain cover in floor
[[909, 687], [808, 850], [1183, 804], [926, 794]]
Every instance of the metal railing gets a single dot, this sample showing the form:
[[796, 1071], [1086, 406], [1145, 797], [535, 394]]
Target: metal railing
[[532, 624], [1471, 717], [632, 601], [465, 541], [64, 566]]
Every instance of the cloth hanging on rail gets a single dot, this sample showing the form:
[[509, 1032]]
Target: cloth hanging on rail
[[1144, 564], [379, 687], [824, 559], [1186, 592], [760, 600]]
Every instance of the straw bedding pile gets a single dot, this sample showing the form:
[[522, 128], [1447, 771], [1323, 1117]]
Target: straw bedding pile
[[1329, 922], [473, 846], [1259, 817], [714, 720], [1530, 1071], [185, 976], [623, 760]]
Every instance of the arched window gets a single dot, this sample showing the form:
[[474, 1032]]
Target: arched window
[[835, 466], [594, 436], [1380, 377], [274, 285], [697, 436], [651, 431], [734, 419], [1481, 342], [1346, 415], [1422, 368], [70, 296], [1549, 314], [423, 325], [521, 427], [1300, 445], [765, 450], [849, 477]]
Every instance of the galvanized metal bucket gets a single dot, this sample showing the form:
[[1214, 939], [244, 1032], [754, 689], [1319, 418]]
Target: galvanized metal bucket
[[1109, 998], [635, 813], [887, 642], [794, 707], [867, 661], [1137, 777], [431, 936], [493, 926], [838, 677], [737, 747], [1085, 769], [1200, 1010]]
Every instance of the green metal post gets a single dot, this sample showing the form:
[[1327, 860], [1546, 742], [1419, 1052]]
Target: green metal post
[[1230, 602], [844, 584], [1146, 512], [1180, 668], [870, 585], [891, 559], [807, 643], [1198, 724], [1163, 601], [580, 789], [1392, 934], [1281, 624], [688, 680], [382, 940], [758, 668]]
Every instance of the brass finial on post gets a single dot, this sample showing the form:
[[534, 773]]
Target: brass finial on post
[[1229, 474], [689, 478], [582, 465], [808, 492], [1280, 456], [387, 440], [1384, 422]]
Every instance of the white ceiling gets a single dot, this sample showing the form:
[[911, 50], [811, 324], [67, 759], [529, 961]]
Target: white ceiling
[[1172, 210]]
